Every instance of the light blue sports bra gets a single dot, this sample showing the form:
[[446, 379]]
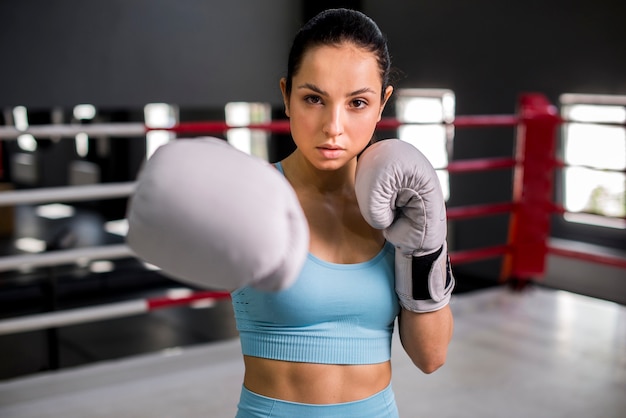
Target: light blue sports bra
[[332, 314]]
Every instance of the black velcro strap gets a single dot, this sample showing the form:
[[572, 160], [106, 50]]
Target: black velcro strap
[[420, 271]]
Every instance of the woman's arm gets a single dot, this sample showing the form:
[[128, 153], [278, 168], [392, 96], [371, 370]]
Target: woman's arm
[[425, 337]]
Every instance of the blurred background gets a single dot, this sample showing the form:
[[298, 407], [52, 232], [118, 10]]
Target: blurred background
[[162, 62]]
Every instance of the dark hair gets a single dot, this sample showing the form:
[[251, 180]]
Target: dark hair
[[336, 26]]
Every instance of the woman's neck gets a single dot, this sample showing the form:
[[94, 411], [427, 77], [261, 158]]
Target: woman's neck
[[304, 176]]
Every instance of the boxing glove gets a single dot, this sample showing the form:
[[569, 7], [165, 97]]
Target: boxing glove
[[398, 191], [215, 217]]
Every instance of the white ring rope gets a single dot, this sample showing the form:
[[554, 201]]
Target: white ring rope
[[96, 129], [72, 317], [67, 194], [60, 257], [108, 311]]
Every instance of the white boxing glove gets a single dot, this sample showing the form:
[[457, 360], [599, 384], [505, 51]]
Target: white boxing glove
[[215, 217], [398, 191]]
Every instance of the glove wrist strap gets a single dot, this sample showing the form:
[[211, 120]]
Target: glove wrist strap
[[430, 282]]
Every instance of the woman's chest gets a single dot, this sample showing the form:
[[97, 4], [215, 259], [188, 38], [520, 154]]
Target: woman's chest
[[361, 294]]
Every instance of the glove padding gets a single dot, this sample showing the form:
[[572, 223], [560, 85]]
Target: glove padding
[[215, 217], [398, 191]]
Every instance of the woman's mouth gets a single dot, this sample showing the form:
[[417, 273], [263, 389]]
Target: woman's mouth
[[330, 151]]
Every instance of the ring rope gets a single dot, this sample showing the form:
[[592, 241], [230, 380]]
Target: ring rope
[[60, 257], [67, 194], [103, 312], [479, 210], [466, 256], [69, 131], [135, 129], [131, 129], [480, 164], [613, 261]]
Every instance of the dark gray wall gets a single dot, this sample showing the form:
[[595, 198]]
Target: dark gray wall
[[193, 52], [125, 53], [488, 51]]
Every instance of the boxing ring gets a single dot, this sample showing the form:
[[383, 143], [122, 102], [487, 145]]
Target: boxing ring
[[524, 254]]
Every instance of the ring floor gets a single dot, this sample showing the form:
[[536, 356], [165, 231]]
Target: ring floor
[[535, 353]]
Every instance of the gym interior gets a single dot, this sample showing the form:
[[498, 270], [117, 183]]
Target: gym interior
[[88, 91]]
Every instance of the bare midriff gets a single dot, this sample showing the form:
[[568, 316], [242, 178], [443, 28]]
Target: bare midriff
[[314, 383]]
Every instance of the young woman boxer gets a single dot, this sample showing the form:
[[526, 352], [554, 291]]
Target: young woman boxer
[[326, 249], [322, 346]]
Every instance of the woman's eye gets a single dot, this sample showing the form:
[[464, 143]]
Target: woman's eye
[[358, 103], [313, 99]]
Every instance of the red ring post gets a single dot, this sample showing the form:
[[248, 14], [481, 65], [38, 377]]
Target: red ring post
[[533, 184]]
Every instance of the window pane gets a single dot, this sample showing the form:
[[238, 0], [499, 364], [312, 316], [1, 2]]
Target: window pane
[[430, 140], [159, 115], [595, 146], [594, 191]]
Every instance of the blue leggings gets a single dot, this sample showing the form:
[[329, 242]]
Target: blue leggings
[[379, 405]]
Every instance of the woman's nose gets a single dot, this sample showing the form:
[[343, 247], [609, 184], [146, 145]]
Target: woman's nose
[[334, 121]]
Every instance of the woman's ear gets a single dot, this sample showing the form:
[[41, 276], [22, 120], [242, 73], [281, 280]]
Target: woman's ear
[[386, 96], [283, 90]]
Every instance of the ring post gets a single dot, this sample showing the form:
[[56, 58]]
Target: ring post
[[533, 184]]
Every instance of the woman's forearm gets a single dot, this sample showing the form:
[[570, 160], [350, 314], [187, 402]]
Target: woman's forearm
[[426, 336]]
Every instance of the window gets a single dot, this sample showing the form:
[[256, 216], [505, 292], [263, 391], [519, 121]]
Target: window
[[427, 111], [25, 142], [254, 142], [83, 112], [594, 154], [159, 115]]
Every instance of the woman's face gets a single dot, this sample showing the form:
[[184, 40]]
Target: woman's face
[[335, 103]]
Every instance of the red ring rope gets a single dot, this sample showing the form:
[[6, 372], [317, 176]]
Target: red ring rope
[[166, 302]]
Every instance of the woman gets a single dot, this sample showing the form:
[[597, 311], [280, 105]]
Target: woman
[[322, 346]]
